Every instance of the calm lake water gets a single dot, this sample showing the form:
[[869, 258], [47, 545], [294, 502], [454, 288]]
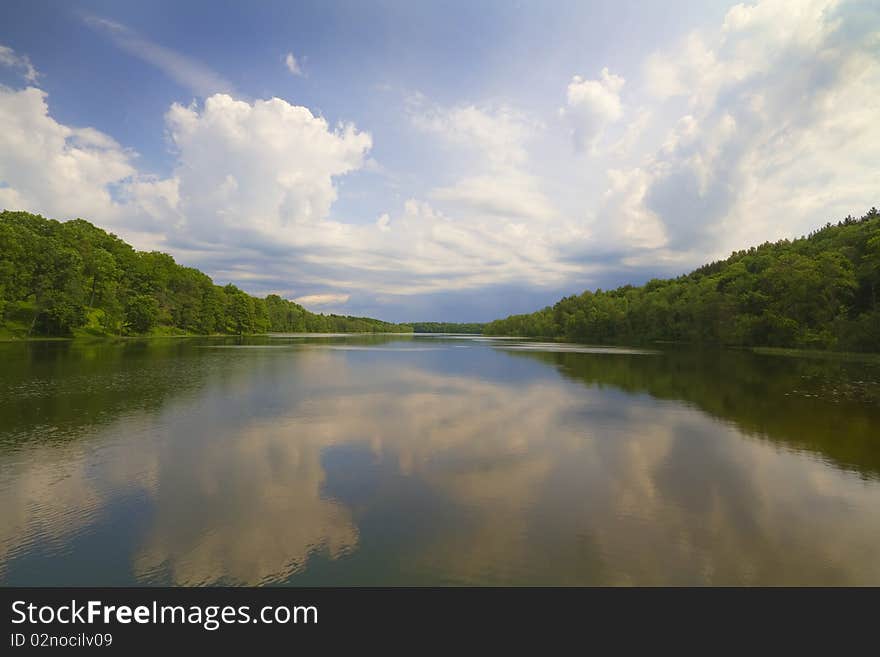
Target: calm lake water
[[393, 460]]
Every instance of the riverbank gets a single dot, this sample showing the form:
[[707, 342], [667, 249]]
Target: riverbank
[[5, 337]]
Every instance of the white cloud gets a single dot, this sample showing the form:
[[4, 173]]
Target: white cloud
[[624, 216], [497, 133], [634, 131], [692, 67], [184, 70], [65, 172], [21, 63], [495, 140], [311, 300], [264, 167], [591, 105], [53, 168], [510, 194], [292, 64], [780, 131]]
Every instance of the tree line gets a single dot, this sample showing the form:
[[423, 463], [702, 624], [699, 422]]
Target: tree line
[[72, 278], [818, 291], [447, 327]]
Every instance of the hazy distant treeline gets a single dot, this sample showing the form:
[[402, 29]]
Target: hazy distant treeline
[[447, 327], [817, 291], [72, 278]]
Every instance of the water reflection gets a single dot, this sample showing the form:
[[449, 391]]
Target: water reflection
[[388, 461], [828, 407], [242, 511]]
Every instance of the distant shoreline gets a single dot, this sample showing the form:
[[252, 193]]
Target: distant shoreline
[[823, 354]]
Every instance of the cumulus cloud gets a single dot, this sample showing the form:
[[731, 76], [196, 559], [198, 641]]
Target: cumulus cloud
[[184, 70], [54, 168], [693, 66], [264, 167], [292, 64], [311, 300], [779, 133], [627, 219], [631, 136], [590, 106], [20, 63]]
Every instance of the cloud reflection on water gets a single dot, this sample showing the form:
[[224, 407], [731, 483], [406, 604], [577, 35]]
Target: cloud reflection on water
[[529, 481]]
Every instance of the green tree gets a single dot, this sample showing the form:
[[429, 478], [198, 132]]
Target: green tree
[[141, 313]]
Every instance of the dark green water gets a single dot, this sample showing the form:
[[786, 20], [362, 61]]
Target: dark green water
[[426, 460]]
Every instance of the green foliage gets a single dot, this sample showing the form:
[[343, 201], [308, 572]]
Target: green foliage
[[819, 291], [72, 278], [446, 327], [141, 313]]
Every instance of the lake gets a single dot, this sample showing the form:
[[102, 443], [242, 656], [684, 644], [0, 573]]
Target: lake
[[432, 460]]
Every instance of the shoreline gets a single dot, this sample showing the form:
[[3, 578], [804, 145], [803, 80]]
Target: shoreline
[[823, 354], [108, 338]]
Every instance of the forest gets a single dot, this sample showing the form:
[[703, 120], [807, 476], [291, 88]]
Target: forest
[[818, 291], [74, 279], [447, 327]]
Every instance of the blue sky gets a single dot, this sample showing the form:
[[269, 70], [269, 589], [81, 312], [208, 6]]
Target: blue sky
[[455, 160]]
